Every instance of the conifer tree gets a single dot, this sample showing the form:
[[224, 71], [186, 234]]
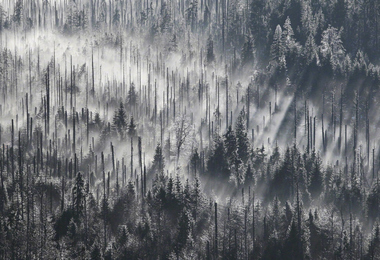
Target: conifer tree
[[119, 121], [316, 178], [277, 49], [217, 163], [242, 137], [247, 52], [210, 56]]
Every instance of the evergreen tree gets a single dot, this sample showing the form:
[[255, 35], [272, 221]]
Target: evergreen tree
[[293, 246], [247, 52], [132, 98], [332, 49], [374, 245], [291, 47], [249, 178], [310, 51], [242, 137], [79, 195], [195, 162], [210, 56], [316, 178], [119, 121], [230, 144], [183, 232], [158, 164], [132, 128], [217, 164], [277, 50], [18, 12], [373, 202], [282, 184], [275, 157], [259, 157], [258, 22]]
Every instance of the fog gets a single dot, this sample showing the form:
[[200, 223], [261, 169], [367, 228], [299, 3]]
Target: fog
[[74, 75]]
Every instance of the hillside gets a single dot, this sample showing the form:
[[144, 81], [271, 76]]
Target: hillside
[[179, 129]]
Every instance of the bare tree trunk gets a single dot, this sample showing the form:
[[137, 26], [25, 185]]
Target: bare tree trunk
[[131, 158], [216, 230], [104, 205], [248, 106], [253, 224], [227, 102]]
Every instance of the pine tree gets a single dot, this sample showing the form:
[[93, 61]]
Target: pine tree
[[195, 162], [217, 163], [373, 202], [316, 178], [196, 198], [291, 249], [332, 49], [242, 137], [230, 143], [247, 52], [132, 128], [374, 245], [183, 232], [79, 194], [259, 157], [249, 178], [158, 164], [257, 22], [277, 50], [18, 12], [282, 183], [275, 157], [119, 121], [310, 50], [291, 47], [210, 56], [132, 98]]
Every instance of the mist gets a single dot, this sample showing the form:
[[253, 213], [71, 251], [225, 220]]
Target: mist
[[189, 129]]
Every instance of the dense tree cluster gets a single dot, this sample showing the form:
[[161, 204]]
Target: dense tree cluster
[[76, 216]]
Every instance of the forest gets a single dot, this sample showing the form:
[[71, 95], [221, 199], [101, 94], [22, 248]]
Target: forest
[[189, 129]]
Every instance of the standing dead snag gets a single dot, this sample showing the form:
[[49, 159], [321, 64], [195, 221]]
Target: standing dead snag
[[183, 129], [248, 105], [104, 205], [11, 153], [131, 158], [140, 165], [340, 121], [253, 223], [216, 230], [227, 101], [295, 116]]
